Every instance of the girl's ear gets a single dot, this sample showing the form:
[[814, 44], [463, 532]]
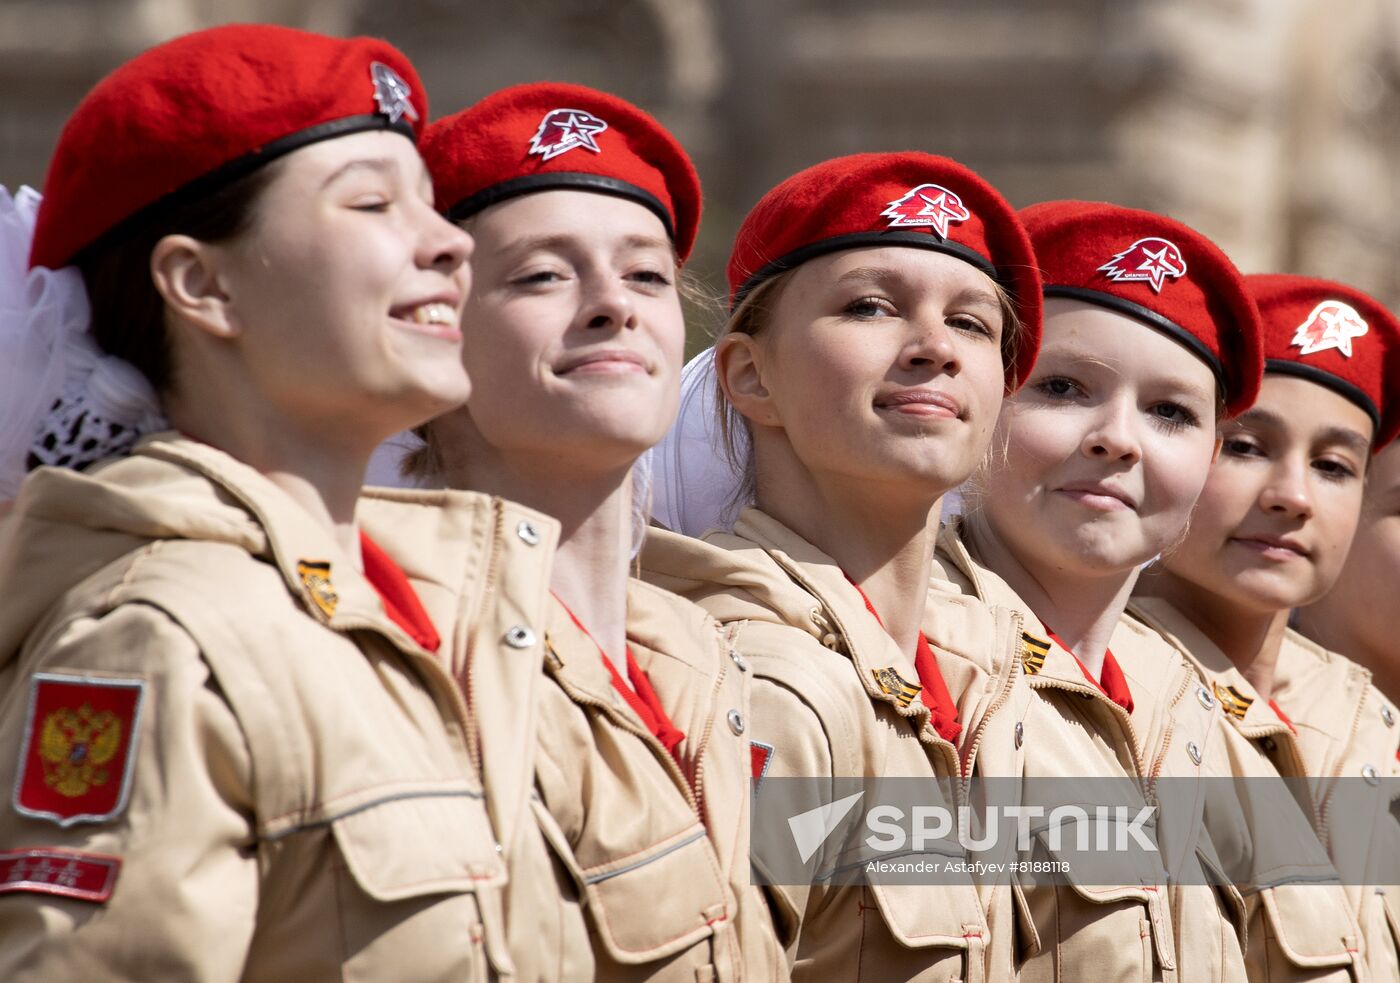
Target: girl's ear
[[188, 276], [739, 363]]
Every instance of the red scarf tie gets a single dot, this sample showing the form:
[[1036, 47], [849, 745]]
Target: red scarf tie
[[1111, 682], [640, 695], [943, 712], [401, 602]]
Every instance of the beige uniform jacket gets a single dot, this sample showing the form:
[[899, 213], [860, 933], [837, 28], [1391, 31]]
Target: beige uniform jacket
[[1348, 729], [624, 862], [1072, 731], [818, 711], [1296, 929], [201, 697]]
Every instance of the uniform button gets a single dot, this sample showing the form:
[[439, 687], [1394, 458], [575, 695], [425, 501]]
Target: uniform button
[[1369, 773], [1194, 750], [529, 535], [519, 637], [1020, 733], [1388, 715], [1204, 695], [739, 660], [736, 721], [500, 849]]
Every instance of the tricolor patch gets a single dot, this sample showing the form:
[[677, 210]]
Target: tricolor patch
[[65, 873], [79, 741], [1232, 701], [893, 684], [1033, 653], [760, 757]]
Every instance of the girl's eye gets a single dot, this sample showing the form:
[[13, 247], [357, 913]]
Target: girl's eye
[[653, 278], [1240, 447], [537, 277], [371, 205], [1059, 387], [870, 308], [1334, 470], [966, 322], [1174, 416]]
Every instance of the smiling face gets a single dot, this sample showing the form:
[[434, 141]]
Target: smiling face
[[574, 329], [879, 368], [344, 293], [1100, 456], [1278, 514]]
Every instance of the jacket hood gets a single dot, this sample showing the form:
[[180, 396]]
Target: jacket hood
[[66, 526], [734, 577]]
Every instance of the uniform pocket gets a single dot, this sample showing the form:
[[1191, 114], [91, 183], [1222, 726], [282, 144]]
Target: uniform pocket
[[659, 901], [1310, 925], [419, 896]]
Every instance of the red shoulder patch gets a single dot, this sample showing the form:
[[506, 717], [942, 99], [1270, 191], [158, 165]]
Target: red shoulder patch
[[79, 740], [65, 873]]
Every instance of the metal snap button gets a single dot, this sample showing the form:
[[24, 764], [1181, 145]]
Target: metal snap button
[[527, 532], [1020, 733], [1369, 773], [519, 637], [1204, 695], [736, 721], [1388, 715], [1193, 750], [739, 660]]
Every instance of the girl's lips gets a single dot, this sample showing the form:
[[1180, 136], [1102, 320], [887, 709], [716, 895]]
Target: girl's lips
[[1279, 548], [920, 402], [608, 361]]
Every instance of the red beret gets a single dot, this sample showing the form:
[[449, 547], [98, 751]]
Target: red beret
[[898, 199], [1157, 270], [1336, 336], [194, 114], [550, 135]]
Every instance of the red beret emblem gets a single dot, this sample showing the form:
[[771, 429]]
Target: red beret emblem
[[929, 205], [1151, 260], [391, 93], [1332, 324], [563, 130]]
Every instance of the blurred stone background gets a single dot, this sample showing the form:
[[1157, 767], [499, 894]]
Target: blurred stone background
[[1271, 125]]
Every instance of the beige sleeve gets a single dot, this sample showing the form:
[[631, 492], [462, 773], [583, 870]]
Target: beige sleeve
[[185, 898]]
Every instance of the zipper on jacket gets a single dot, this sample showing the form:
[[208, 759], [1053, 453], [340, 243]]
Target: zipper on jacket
[[1167, 733], [488, 585], [704, 743]]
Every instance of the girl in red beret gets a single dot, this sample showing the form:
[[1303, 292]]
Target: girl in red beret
[[1097, 462], [1271, 533], [231, 752], [881, 305], [621, 756]]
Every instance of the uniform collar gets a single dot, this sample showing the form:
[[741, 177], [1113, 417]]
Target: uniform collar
[[315, 567], [1238, 699], [839, 619]]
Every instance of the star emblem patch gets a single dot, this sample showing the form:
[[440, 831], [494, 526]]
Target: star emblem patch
[[563, 130], [1152, 260], [929, 206], [1332, 324], [391, 93]]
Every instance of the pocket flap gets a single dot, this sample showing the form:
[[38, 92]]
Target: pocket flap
[[1312, 924], [414, 843], [658, 902], [919, 917]]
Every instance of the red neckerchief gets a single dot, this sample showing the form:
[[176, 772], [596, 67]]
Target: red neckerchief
[[401, 602], [943, 712], [1284, 717], [1111, 682], [640, 695]]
